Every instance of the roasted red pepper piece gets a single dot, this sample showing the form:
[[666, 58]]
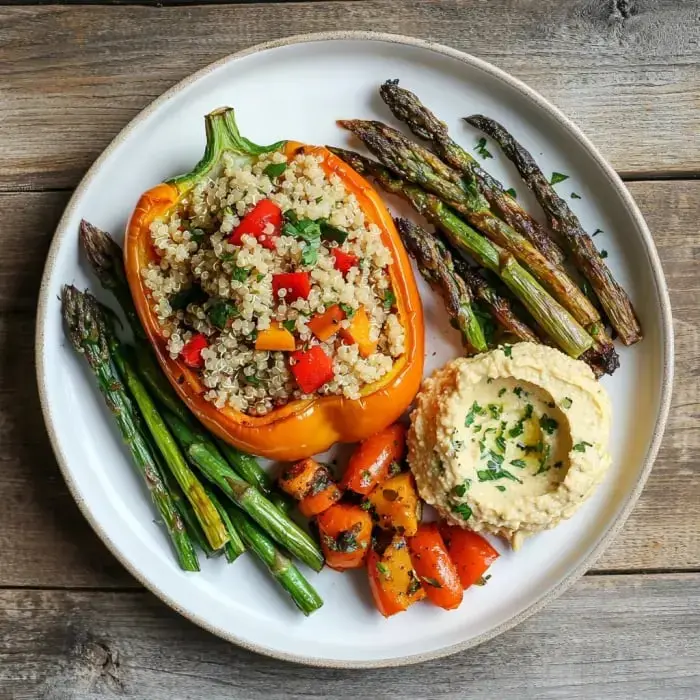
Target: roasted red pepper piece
[[296, 284], [434, 567], [344, 261], [255, 223], [470, 552], [312, 369], [191, 353]]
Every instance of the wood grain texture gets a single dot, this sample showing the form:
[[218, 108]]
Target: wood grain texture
[[72, 77], [613, 637], [46, 542]]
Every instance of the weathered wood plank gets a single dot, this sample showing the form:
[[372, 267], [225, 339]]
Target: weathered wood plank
[[46, 542], [71, 77], [617, 637]]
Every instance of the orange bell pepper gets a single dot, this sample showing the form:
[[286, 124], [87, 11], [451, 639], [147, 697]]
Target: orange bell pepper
[[394, 584], [275, 338], [470, 552], [397, 505], [345, 531], [358, 332], [306, 426], [327, 324]]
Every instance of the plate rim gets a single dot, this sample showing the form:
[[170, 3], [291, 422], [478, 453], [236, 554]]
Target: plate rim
[[62, 233]]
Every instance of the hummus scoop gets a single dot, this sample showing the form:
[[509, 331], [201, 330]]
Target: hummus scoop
[[510, 442]]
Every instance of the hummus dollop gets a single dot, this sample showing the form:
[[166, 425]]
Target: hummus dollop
[[511, 441]]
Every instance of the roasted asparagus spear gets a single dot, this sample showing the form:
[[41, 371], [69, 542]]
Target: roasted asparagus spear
[[549, 314], [424, 124], [418, 165], [435, 264], [562, 220], [83, 318]]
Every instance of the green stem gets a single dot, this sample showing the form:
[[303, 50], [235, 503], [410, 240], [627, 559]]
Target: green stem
[[286, 574], [247, 497]]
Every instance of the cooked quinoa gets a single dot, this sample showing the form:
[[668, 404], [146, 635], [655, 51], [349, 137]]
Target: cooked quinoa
[[206, 286]]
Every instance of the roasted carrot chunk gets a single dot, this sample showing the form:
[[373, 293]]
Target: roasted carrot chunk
[[470, 552], [372, 459], [359, 333], [322, 494], [434, 567], [394, 583], [345, 532], [397, 505], [327, 324], [275, 338], [298, 479]]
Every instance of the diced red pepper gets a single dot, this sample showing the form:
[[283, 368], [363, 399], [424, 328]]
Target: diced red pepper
[[255, 223], [296, 284], [192, 352], [312, 368], [344, 261]]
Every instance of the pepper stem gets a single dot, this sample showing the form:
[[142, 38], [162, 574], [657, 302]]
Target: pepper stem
[[222, 135]]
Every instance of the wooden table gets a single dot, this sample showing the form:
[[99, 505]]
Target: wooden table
[[73, 623]]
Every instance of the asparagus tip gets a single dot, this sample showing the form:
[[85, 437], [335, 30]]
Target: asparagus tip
[[101, 250]]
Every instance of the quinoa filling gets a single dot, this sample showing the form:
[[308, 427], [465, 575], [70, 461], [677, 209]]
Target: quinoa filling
[[273, 286]]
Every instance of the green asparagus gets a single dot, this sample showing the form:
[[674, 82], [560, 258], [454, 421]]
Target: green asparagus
[[551, 316], [585, 255], [418, 165], [424, 124], [284, 571], [435, 264], [266, 514], [234, 547], [83, 318]]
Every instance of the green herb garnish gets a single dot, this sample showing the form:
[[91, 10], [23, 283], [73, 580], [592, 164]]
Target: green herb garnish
[[507, 350], [309, 254], [543, 461], [240, 274], [581, 446], [333, 233], [251, 379], [347, 310], [274, 170], [518, 463], [501, 392], [549, 425], [597, 231], [495, 410], [575, 196], [221, 312], [499, 487], [389, 299], [501, 443], [474, 411], [557, 178], [566, 402], [481, 149], [185, 297], [603, 254], [431, 581], [518, 391], [463, 510], [512, 193], [290, 325], [462, 488], [197, 235], [382, 569]]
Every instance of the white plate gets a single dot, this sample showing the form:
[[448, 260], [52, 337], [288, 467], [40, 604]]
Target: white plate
[[297, 88]]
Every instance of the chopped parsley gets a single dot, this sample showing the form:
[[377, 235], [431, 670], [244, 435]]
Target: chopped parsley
[[603, 254], [496, 474], [518, 463], [290, 325], [347, 310], [383, 569], [501, 392], [274, 170], [497, 459], [481, 149], [543, 461], [549, 425], [333, 233], [495, 410], [501, 443], [517, 429], [489, 380], [251, 379], [309, 255], [389, 299], [557, 178], [240, 274], [463, 510], [512, 193], [185, 297], [499, 487], [597, 231], [431, 581], [197, 235], [221, 313], [581, 446], [575, 196], [566, 402], [474, 411], [462, 488], [507, 350], [518, 391]]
